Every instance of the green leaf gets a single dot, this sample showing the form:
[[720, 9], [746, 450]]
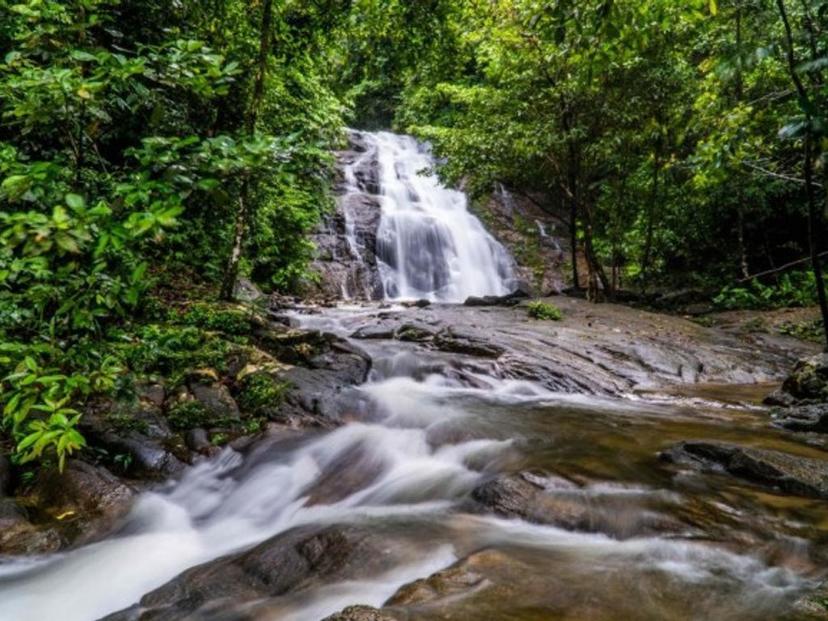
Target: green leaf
[[75, 201]]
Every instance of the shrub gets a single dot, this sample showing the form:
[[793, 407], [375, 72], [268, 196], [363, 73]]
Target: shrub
[[542, 310], [261, 393], [188, 415], [208, 317]]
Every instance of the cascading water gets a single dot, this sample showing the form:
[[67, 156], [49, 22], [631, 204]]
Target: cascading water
[[423, 433], [428, 243], [406, 469]]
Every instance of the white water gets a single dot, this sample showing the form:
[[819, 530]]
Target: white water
[[225, 505], [428, 244]]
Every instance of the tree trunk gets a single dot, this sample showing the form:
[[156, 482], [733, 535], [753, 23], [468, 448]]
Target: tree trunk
[[241, 224], [572, 187], [651, 217], [814, 227], [814, 217], [743, 262]]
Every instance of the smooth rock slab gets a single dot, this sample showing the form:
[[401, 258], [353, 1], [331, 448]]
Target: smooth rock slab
[[775, 470]]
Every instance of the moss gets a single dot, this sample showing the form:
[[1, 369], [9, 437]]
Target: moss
[[261, 393], [542, 310]]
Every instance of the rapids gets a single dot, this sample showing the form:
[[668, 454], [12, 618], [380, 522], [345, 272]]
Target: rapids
[[417, 443], [420, 438]]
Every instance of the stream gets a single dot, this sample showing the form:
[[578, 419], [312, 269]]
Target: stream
[[633, 538]]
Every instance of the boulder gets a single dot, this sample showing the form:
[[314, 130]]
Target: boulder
[[197, 440], [148, 457], [374, 332], [456, 580], [812, 417], [559, 502], [522, 292], [233, 586], [449, 340], [20, 537], [413, 333], [359, 613], [216, 399], [809, 379], [80, 505], [774, 470]]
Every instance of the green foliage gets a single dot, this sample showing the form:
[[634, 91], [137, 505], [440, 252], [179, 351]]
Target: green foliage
[[261, 394], [186, 415], [171, 351], [544, 311], [208, 317], [793, 289]]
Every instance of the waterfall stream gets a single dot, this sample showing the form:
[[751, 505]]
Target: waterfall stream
[[416, 442], [429, 245]]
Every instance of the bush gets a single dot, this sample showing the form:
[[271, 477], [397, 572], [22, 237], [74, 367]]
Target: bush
[[188, 415], [261, 393], [794, 289], [542, 310], [209, 317]]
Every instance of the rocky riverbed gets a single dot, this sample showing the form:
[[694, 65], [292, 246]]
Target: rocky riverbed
[[450, 461]]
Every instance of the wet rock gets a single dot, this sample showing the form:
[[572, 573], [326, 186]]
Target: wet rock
[[216, 399], [92, 489], [5, 475], [809, 379], [522, 292], [148, 457], [491, 300], [197, 440], [451, 341], [359, 613], [559, 502], [317, 387], [780, 398], [18, 537], [771, 469], [283, 564], [374, 332], [413, 333], [79, 506], [813, 606], [812, 418], [455, 580], [151, 394]]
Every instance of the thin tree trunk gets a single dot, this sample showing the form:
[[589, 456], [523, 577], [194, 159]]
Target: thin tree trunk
[[651, 211], [740, 208], [242, 220], [743, 262], [814, 217], [572, 183]]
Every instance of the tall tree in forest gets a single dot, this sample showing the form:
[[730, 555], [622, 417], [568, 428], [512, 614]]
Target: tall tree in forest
[[812, 127], [241, 223]]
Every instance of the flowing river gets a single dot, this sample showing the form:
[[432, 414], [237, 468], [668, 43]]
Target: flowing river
[[635, 540]]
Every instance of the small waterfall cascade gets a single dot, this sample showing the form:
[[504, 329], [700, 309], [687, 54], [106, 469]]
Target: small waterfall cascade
[[428, 244]]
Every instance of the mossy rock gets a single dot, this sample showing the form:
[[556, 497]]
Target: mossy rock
[[809, 380]]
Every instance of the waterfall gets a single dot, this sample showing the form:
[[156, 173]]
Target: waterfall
[[428, 244]]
